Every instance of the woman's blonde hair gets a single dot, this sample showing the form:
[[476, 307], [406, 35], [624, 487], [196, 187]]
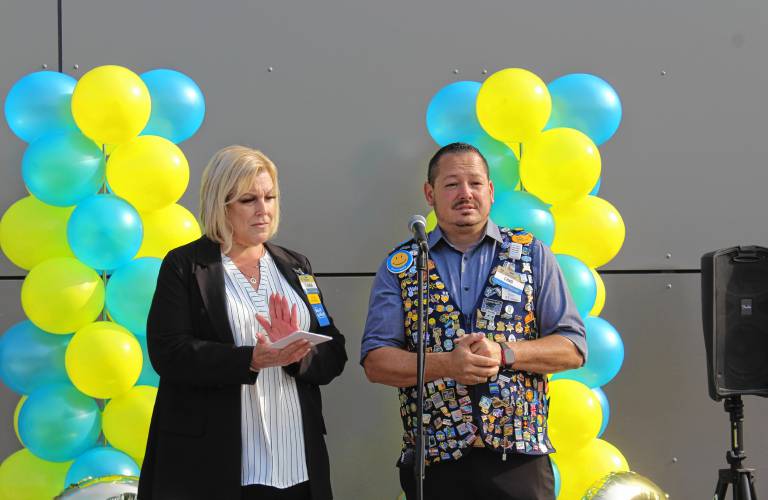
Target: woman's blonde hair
[[229, 174]]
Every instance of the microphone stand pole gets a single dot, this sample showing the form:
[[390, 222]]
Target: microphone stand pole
[[421, 267]]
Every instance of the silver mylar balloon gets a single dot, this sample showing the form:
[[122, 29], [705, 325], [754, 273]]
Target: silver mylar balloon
[[624, 486]]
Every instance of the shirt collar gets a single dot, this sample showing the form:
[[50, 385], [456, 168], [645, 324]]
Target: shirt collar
[[491, 231]]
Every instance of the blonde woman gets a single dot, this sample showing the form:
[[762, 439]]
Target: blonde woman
[[236, 417]]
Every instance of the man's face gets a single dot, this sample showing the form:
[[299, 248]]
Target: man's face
[[462, 194]]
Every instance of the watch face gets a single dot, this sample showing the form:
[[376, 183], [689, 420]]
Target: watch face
[[509, 355]]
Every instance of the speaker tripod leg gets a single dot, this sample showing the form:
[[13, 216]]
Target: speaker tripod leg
[[721, 488], [745, 486]]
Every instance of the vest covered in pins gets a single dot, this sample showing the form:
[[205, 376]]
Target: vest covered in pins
[[509, 412]]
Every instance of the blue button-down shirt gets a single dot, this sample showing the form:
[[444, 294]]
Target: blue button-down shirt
[[465, 275]]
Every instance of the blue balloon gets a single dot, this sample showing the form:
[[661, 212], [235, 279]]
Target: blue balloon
[[521, 209], [587, 103], [178, 105], [58, 422], [40, 103], [581, 283], [31, 358], [596, 189], [556, 473], [129, 293], [148, 374], [606, 406], [605, 355], [99, 462], [503, 165], [63, 168], [105, 231], [451, 114]]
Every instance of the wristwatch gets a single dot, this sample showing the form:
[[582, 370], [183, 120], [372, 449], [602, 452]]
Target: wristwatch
[[507, 356]]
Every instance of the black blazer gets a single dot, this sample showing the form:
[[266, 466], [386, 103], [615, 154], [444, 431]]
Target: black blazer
[[194, 445]]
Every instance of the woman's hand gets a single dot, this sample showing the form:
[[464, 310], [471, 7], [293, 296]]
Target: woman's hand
[[285, 319], [264, 355]]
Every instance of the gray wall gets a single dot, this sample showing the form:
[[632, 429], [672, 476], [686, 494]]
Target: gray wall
[[342, 114]]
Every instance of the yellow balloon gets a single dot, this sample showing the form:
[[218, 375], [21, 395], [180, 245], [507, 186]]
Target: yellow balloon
[[126, 420], [166, 229], [516, 148], [561, 165], [600, 298], [431, 220], [16, 417], [590, 229], [32, 231], [111, 104], [513, 105], [23, 476], [150, 172], [581, 468], [62, 295], [575, 414], [103, 360]]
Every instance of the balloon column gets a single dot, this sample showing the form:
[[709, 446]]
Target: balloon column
[[91, 233], [541, 144]]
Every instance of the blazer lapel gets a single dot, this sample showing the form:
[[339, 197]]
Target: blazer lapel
[[209, 273]]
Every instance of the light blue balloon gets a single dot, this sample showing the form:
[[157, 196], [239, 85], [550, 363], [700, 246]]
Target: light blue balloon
[[587, 103], [521, 209], [99, 462], [129, 293], [148, 374], [606, 406], [31, 358], [581, 282], [503, 165], [40, 103], [104, 231], [596, 189], [556, 473], [58, 422], [63, 168], [178, 105], [451, 114], [605, 355]]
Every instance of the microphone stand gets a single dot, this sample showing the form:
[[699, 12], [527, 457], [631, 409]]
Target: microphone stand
[[423, 284]]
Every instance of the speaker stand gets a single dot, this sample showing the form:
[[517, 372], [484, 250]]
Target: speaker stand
[[741, 479]]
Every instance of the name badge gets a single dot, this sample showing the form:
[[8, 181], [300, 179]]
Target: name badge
[[313, 296], [308, 284], [507, 279]]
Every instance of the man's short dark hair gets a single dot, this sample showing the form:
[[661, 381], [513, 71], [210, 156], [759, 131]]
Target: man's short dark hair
[[448, 149]]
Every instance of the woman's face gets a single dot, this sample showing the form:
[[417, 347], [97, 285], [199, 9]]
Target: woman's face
[[252, 212]]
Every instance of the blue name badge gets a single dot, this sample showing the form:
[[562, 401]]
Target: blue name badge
[[322, 317], [507, 280]]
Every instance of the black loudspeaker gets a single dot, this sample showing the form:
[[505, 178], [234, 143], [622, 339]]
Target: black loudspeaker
[[734, 299]]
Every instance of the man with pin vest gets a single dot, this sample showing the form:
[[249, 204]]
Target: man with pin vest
[[500, 318]]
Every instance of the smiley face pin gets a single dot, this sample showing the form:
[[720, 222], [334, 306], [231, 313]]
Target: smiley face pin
[[399, 261]]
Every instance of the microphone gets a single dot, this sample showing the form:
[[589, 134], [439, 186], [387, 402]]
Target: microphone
[[418, 226]]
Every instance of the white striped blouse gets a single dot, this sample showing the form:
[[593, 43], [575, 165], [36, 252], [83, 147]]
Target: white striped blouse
[[271, 423]]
